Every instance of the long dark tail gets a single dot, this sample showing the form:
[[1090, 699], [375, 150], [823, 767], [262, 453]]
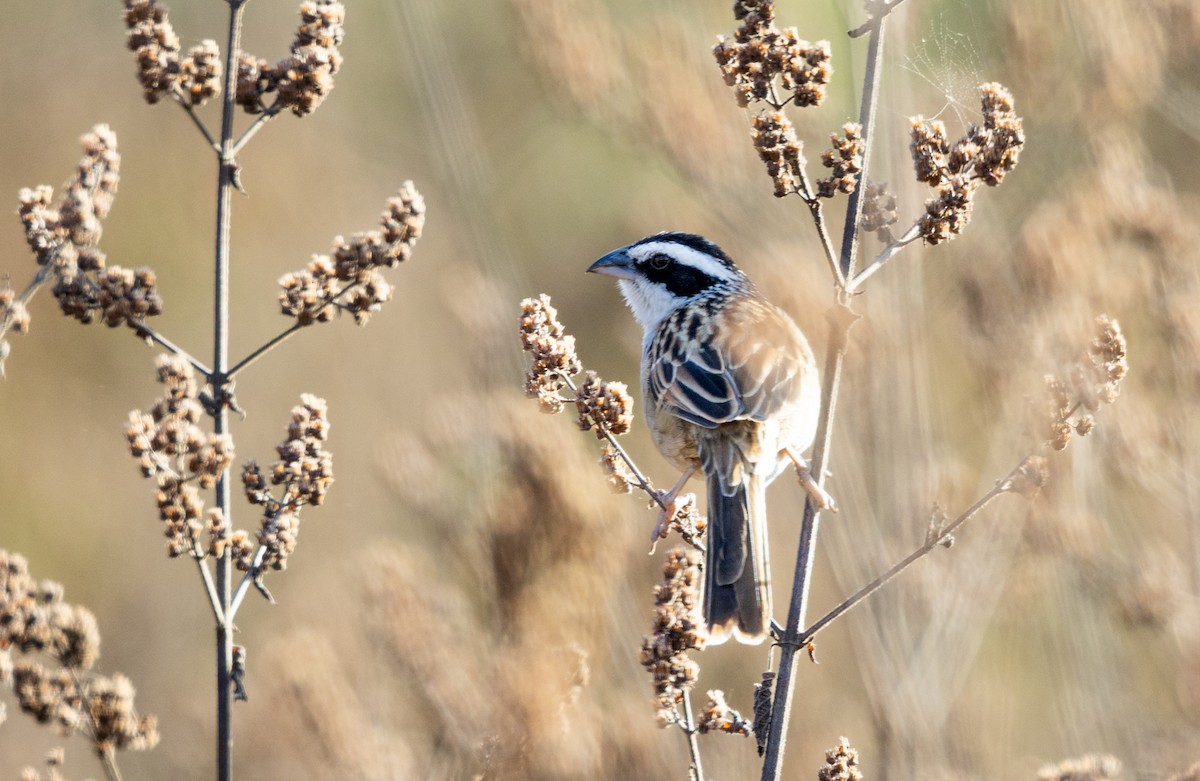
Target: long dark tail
[[737, 595]]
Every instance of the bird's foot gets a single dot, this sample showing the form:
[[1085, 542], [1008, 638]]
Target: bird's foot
[[819, 495]]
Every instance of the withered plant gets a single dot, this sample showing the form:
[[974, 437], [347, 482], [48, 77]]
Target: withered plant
[[189, 463]]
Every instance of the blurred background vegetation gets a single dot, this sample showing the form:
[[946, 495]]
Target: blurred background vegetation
[[471, 599]]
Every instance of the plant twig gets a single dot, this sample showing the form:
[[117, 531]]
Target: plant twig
[[886, 254], [689, 727], [932, 541], [256, 126], [145, 331], [190, 110], [842, 319], [263, 349]]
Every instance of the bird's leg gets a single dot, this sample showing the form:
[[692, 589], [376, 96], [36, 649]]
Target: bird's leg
[[669, 507], [819, 494]]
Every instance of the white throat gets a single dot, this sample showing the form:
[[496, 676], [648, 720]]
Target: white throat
[[649, 302]]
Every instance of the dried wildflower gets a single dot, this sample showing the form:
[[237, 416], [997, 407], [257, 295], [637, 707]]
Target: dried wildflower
[[350, 281], [33, 617], [553, 351], [1094, 379], [170, 446], [603, 406], [717, 716], [677, 629], [844, 160], [762, 710], [41, 222], [841, 764], [13, 313], [113, 722], [155, 45], [255, 79], [1092, 767], [304, 469], [305, 78], [200, 73], [1030, 477], [308, 295], [985, 154], [680, 515], [879, 210], [759, 53], [946, 215], [620, 479], [779, 149]]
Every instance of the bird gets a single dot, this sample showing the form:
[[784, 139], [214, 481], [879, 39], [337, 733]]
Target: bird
[[730, 389]]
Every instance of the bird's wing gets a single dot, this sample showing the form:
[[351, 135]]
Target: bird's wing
[[744, 362]]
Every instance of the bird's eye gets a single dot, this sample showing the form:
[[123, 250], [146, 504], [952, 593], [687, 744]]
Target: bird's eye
[[659, 262]]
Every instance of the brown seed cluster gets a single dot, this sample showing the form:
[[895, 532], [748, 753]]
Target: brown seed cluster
[[349, 280], [304, 78], [841, 764], [984, 155], [1092, 767], [717, 716], [304, 470], [603, 406], [155, 45], [677, 629], [553, 351], [14, 316], [1094, 379], [620, 478], [759, 53], [63, 238], [200, 73], [685, 519], [34, 619], [779, 149], [844, 160], [171, 448], [879, 210]]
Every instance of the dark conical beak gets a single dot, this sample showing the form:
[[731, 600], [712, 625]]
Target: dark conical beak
[[615, 264]]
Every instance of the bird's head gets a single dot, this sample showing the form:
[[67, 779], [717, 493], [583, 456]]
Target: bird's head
[[661, 273]]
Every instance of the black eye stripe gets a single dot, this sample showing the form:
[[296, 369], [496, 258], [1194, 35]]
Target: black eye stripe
[[679, 278]]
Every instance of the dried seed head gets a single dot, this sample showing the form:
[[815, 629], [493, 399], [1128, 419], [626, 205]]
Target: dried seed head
[[844, 159], [759, 53], [717, 716], [304, 79], [779, 149], [200, 73], [155, 46], [841, 764], [553, 352], [603, 406], [677, 629], [879, 210]]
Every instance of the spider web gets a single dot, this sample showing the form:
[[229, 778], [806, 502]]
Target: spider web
[[947, 61]]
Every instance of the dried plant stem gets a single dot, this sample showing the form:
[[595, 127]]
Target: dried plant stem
[[28, 293], [107, 755], [190, 110], [935, 537], [210, 587], [689, 727], [256, 126], [263, 350], [841, 318], [147, 332], [643, 482], [220, 379], [886, 254]]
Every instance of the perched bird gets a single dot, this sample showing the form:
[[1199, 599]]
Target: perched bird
[[730, 387]]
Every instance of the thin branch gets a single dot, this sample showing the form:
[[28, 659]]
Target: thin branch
[[932, 540], [145, 331], [210, 586], [263, 349], [190, 110], [643, 483], [842, 319], [255, 126], [689, 727], [886, 254], [247, 580]]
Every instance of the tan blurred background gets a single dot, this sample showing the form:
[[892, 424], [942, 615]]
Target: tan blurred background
[[433, 622]]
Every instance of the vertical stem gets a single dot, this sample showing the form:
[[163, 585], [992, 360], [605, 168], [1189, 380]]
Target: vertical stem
[[841, 319], [220, 381]]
